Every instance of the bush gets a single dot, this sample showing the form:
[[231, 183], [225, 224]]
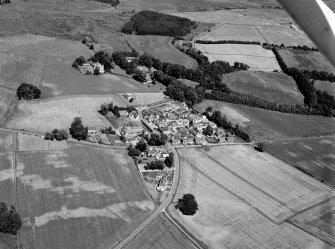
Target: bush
[[28, 92], [10, 220], [187, 205], [77, 130]]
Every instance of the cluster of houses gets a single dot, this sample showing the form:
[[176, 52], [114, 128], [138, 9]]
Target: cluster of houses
[[152, 154], [182, 125], [89, 67]]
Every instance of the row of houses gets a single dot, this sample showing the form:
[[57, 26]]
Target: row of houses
[[183, 125]]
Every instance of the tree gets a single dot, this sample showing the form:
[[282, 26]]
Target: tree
[[63, 135], [209, 110], [80, 60], [96, 71], [48, 136], [83, 41], [208, 131], [146, 60], [91, 47], [133, 151], [155, 165], [139, 75], [187, 205], [77, 130], [28, 92], [169, 160], [141, 145], [10, 220]]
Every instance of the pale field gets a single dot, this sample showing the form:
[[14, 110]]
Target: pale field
[[74, 199], [28, 142], [256, 57], [7, 99], [42, 116], [233, 32], [219, 16], [147, 98], [225, 219], [319, 221]]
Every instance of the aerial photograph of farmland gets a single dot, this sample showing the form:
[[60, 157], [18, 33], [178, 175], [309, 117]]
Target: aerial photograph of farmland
[[167, 124]]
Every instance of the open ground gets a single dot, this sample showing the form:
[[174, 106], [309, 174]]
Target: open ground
[[161, 48], [263, 125], [309, 60], [235, 215], [270, 86], [160, 234], [61, 192], [315, 156], [256, 57]]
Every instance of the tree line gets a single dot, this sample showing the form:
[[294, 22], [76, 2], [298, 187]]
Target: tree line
[[227, 42], [154, 23]]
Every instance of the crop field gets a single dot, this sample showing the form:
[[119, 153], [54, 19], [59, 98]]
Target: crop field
[[309, 60], [59, 78], [233, 32], [319, 221], [270, 86], [269, 125], [230, 217], [43, 116], [325, 86], [256, 57], [287, 36], [28, 142], [313, 155], [160, 234], [7, 99], [161, 48], [74, 198]]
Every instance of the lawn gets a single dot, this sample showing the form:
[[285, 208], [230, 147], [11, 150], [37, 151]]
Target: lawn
[[313, 155], [161, 233], [277, 87], [74, 198], [161, 48], [309, 60], [266, 125], [256, 57], [59, 78], [248, 190]]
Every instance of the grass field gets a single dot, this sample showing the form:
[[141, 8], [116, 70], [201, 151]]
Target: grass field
[[233, 32], [231, 216], [277, 87], [74, 198], [319, 221], [28, 142], [325, 86], [256, 57], [10, 21], [268, 125], [161, 48], [310, 60], [314, 155], [160, 234]]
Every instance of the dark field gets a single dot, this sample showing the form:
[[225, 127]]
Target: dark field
[[59, 78], [160, 234], [266, 125], [276, 87], [75, 198], [315, 156]]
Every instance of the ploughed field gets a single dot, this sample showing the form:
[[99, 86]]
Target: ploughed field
[[72, 198], [252, 194], [316, 156], [264, 125]]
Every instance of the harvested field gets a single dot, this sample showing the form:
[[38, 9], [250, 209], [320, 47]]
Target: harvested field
[[43, 116], [59, 78], [269, 125], [161, 233], [256, 57], [327, 86], [309, 60], [316, 156], [277, 87], [319, 221], [218, 16], [28, 142], [161, 48], [233, 32], [7, 100], [226, 218], [73, 198], [287, 36]]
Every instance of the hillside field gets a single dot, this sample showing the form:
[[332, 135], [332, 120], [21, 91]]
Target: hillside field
[[161, 48], [161, 233], [313, 155], [327, 86], [309, 60], [256, 57], [277, 87], [263, 125], [249, 192], [62, 192]]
